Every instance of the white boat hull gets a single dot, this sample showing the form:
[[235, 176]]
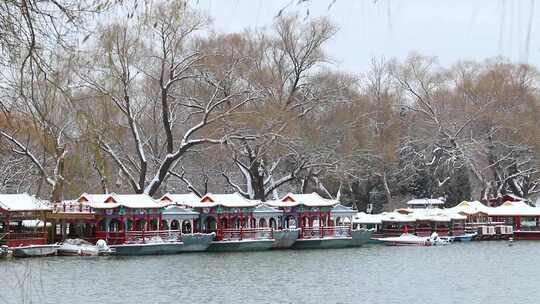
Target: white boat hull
[[34, 251], [405, 240], [78, 251]]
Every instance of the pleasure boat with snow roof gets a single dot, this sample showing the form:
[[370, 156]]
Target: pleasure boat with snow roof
[[323, 223], [136, 224]]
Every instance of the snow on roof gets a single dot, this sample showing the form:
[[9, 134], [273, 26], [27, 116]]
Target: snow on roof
[[308, 199], [113, 200], [181, 198], [408, 215], [342, 210], [365, 218], [470, 208], [425, 201], [263, 208], [397, 217], [518, 208], [175, 210], [282, 204], [22, 202], [435, 215], [230, 200]]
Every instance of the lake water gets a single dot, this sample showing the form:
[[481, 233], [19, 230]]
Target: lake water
[[476, 272]]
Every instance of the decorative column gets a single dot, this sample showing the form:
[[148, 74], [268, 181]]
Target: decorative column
[[321, 232], [122, 228], [241, 225]]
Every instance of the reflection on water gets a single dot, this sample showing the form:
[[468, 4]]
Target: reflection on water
[[477, 272]]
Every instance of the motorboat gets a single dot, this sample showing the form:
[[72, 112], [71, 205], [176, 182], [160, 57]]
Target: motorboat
[[406, 239], [435, 240], [34, 250], [80, 247], [465, 237], [340, 237]]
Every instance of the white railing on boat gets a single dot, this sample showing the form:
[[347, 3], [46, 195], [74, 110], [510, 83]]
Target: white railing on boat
[[71, 208], [141, 236], [327, 231], [245, 233]]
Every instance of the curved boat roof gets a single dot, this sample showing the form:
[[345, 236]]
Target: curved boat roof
[[180, 198], [113, 200], [230, 200], [308, 200]]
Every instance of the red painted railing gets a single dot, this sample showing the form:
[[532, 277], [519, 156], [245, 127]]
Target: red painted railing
[[423, 231], [442, 231]]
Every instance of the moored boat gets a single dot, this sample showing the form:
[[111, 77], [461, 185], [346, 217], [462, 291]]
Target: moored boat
[[323, 243], [360, 237], [285, 238], [80, 247], [350, 238], [467, 237], [34, 250], [406, 239], [157, 246], [196, 241], [241, 245]]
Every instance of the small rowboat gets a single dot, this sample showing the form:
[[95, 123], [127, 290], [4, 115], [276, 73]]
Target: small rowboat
[[34, 250]]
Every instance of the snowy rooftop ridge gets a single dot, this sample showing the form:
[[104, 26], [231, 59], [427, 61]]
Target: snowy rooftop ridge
[[22, 202], [231, 200], [426, 201], [113, 200], [180, 198], [470, 208], [308, 199]]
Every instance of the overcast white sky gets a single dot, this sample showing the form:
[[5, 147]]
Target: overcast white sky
[[451, 30]]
